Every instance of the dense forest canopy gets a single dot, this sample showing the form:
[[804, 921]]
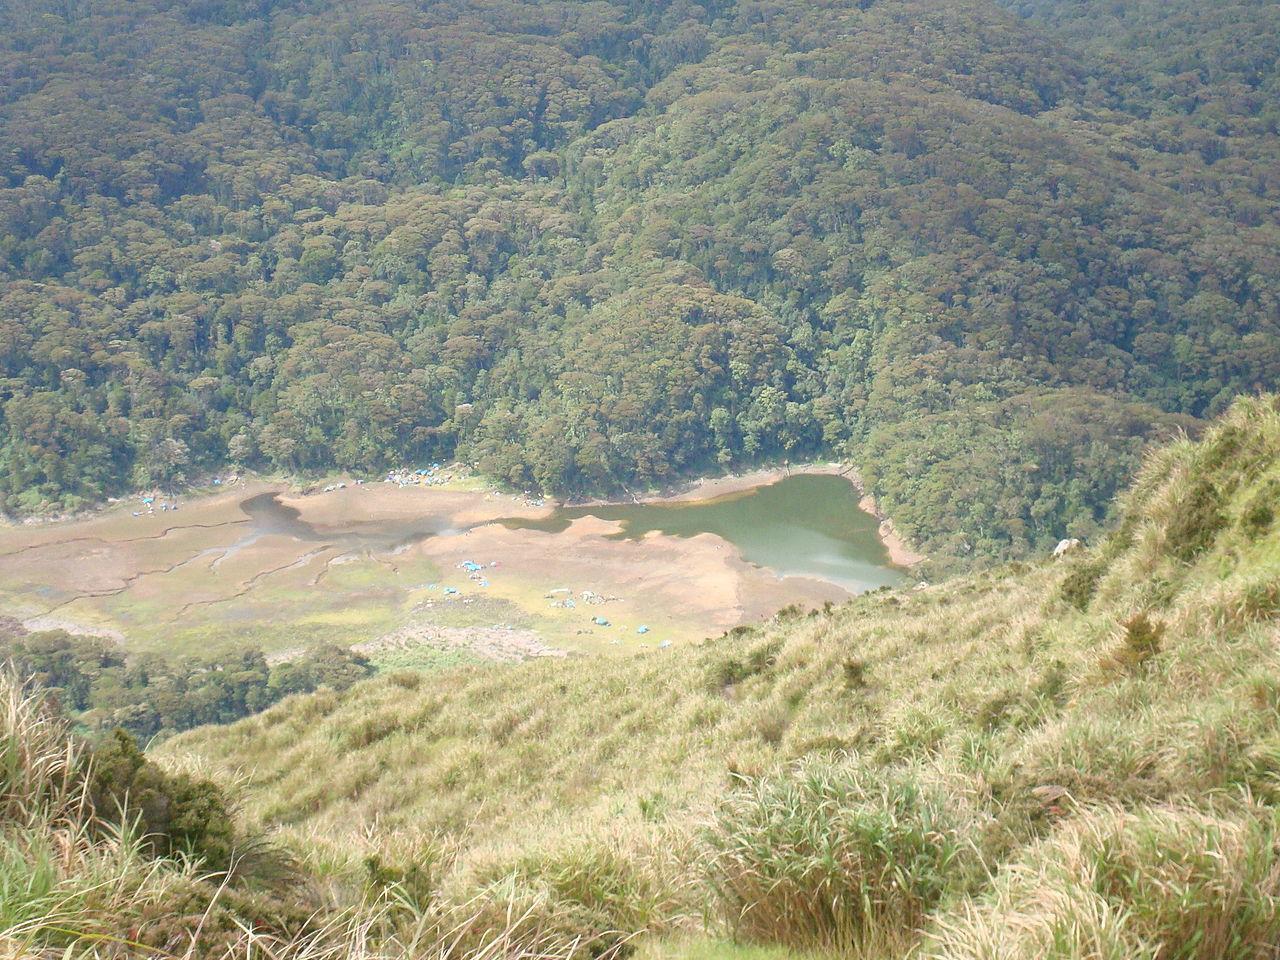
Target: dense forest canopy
[[985, 250], [103, 689]]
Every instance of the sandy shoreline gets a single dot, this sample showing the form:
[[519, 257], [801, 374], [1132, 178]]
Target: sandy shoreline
[[710, 488], [694, 491], [900, 553], [210, 578]]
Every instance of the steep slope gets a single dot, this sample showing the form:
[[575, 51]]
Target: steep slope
[[1075, 758], [1182, 68], [591, 245]]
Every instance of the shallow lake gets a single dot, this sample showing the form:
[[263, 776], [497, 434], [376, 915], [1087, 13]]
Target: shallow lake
[[805, 525], [269, 516]]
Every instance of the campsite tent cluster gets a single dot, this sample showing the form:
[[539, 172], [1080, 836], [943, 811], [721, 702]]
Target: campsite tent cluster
[[475, 571], [432, 476], [149, 504], [562, 598]]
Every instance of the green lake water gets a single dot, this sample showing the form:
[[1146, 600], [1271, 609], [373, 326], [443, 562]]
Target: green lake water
[[805, 525]]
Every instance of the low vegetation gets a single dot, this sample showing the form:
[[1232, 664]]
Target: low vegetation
[[839, 858], [104, 853], [1002, 765]]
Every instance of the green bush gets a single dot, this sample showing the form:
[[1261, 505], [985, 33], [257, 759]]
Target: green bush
[[1260, 512], [733, 670], [177, 813], [831, 858], [198, 919], [1080, 583], [1196, 521], [855, 673]]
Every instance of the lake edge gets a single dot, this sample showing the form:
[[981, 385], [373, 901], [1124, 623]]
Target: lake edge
[[902, 554]]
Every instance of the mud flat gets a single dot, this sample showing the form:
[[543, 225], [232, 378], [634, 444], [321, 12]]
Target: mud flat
[[392, 568]]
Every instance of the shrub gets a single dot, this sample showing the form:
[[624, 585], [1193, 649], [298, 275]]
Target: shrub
[[1224, 446], [74, 885], [1256, 600], [413, 882], [855, 673], [1259, 513], [831, 858], [177, 813], [196, 919], [1141, 640], [1080, 583], [733, 670], [1196, 521]]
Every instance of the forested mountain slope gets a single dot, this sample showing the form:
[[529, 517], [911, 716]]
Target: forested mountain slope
[[1070, 759], [980, 252]]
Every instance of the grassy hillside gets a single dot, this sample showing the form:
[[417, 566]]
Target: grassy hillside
[[1075, 758]]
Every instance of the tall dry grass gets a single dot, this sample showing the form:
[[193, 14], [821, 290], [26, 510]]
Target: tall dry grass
[[834, 858], [1159, 883], [74, 886]]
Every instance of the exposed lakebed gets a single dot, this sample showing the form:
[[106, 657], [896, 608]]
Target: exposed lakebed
[[411, 566], [269, 516]]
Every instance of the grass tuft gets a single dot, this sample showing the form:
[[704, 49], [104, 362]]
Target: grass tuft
[[1159, 883], [832, 858]]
